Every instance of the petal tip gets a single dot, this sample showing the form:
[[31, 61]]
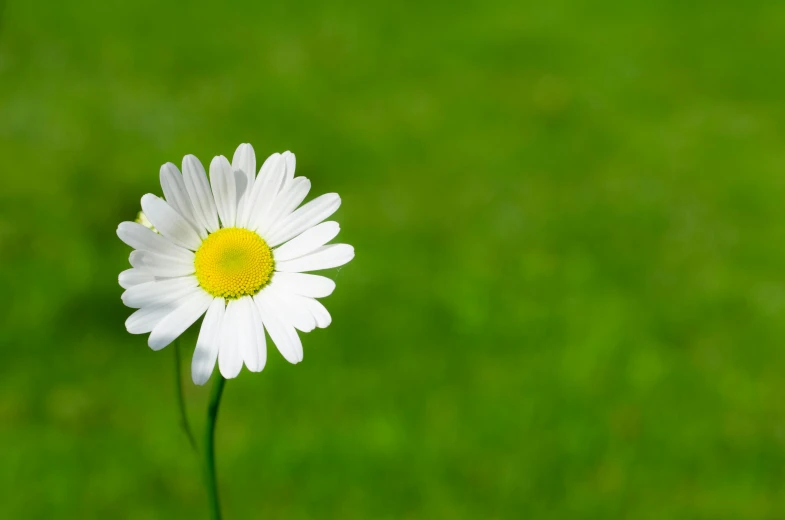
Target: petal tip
[[158, 343], [148, 198], [191, 161]]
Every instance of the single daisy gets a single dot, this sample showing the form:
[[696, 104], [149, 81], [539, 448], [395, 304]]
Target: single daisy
[[236, 250]]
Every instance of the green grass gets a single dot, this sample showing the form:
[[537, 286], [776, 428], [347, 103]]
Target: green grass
[[568, 295]]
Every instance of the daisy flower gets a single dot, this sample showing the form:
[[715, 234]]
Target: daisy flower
[[234, 249]]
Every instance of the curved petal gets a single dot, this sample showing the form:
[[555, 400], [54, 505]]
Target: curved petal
[[311, 285], [291, 196], [261, 343], [289, 311], [251, 335], [176, 322], [291, 164], [265, 189], [281, 332], [206, 352], [169, 223], [307, 242], [319, 311], [175, 194], [163, 266], [135, 259], [325, 257], [304, 218], [140, 237], [131, 277], [198, 189], [244, 162], [158, 292], [224, 190], [230, 357], [145, 319]]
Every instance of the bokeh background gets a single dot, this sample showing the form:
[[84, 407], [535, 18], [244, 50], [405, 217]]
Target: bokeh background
[[568, 295]]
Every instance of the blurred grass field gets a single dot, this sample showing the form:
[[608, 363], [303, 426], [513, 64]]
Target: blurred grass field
[[568, 293]]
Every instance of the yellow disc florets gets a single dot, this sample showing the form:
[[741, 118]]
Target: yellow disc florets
[[233, 262]]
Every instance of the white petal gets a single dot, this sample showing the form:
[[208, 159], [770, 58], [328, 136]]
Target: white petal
[[291, 196], [131, 277], [319, 312], [177, 197], [135, 259], [270, 164], [145, 319], [282, 333], [261, 343], [244, 161], [307, 216], [199, 191], [169, 223], [307, 241], [162, 266], [265, 189], [290, 311], [255, 190], [176, 322], [224, 190], [311, 285], [291, 164], [158, 292], [250, 334], [325, 257], [206, 352], [140, 237], [230, 357]]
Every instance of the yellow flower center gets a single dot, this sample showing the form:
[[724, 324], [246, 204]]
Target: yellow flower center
[[233, 262]]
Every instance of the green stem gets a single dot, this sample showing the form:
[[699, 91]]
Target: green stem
[[181, 397], [209, 448]]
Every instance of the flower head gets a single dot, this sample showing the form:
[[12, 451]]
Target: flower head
[[234, 249]]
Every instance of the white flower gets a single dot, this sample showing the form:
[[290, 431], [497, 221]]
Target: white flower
[[235, 248]]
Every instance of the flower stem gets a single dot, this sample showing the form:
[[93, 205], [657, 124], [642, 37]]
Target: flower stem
[[209, 448], [181, 398]]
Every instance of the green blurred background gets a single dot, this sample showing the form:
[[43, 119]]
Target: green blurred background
[[568, 293]]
